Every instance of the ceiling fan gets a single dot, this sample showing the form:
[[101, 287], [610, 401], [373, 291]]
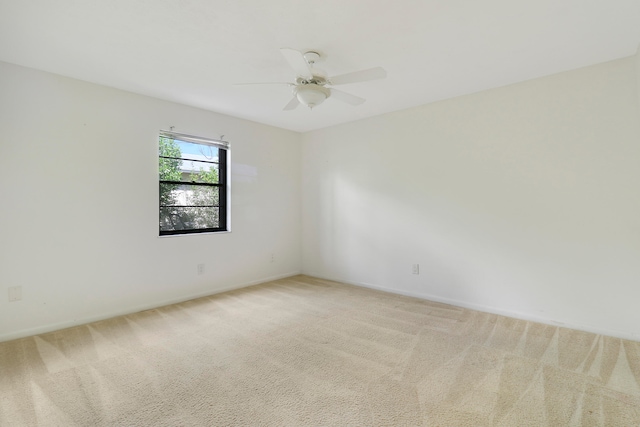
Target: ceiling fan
[[311, 84]]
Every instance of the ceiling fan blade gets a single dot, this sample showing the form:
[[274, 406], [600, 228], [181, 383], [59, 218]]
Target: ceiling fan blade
[[297, 62], [346, 97], [292, 105], [359, 76], [264, 83]]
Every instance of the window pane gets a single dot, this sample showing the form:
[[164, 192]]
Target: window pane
[[169, 169], [188, 195], [188, 218], [195, 171], [193, 151]]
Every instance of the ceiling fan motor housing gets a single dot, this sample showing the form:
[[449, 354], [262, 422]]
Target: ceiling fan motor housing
[[318, 79]]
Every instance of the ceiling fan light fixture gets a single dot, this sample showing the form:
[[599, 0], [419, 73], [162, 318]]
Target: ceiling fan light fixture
[[311, 95]]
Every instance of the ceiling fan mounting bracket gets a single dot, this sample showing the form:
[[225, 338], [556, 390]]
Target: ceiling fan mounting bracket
[[311, 57]]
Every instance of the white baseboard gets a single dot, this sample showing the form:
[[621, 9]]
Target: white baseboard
[[135, 309], [488, 309]]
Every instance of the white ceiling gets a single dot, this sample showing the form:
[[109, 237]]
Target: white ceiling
[[193, 51]]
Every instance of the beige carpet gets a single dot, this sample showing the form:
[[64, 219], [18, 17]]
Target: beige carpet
[[309, 352]]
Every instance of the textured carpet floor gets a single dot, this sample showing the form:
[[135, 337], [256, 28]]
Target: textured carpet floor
[[310, 352]]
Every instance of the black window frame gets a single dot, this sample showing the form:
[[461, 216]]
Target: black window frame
[[222, 184]]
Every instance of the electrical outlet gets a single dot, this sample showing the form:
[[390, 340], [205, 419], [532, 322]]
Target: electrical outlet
[[273, 258], [200, 269], [416, 269], [15, 293]]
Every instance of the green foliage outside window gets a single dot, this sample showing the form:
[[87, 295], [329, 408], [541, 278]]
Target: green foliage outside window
[[169, 168]]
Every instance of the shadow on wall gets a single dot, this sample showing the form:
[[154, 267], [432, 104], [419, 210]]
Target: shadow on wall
[[465, 257]]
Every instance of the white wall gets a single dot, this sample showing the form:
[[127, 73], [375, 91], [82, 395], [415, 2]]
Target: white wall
[[521, 200], [638, 72], [79, 196]]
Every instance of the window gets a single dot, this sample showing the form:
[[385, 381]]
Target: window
[[193, 184]]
